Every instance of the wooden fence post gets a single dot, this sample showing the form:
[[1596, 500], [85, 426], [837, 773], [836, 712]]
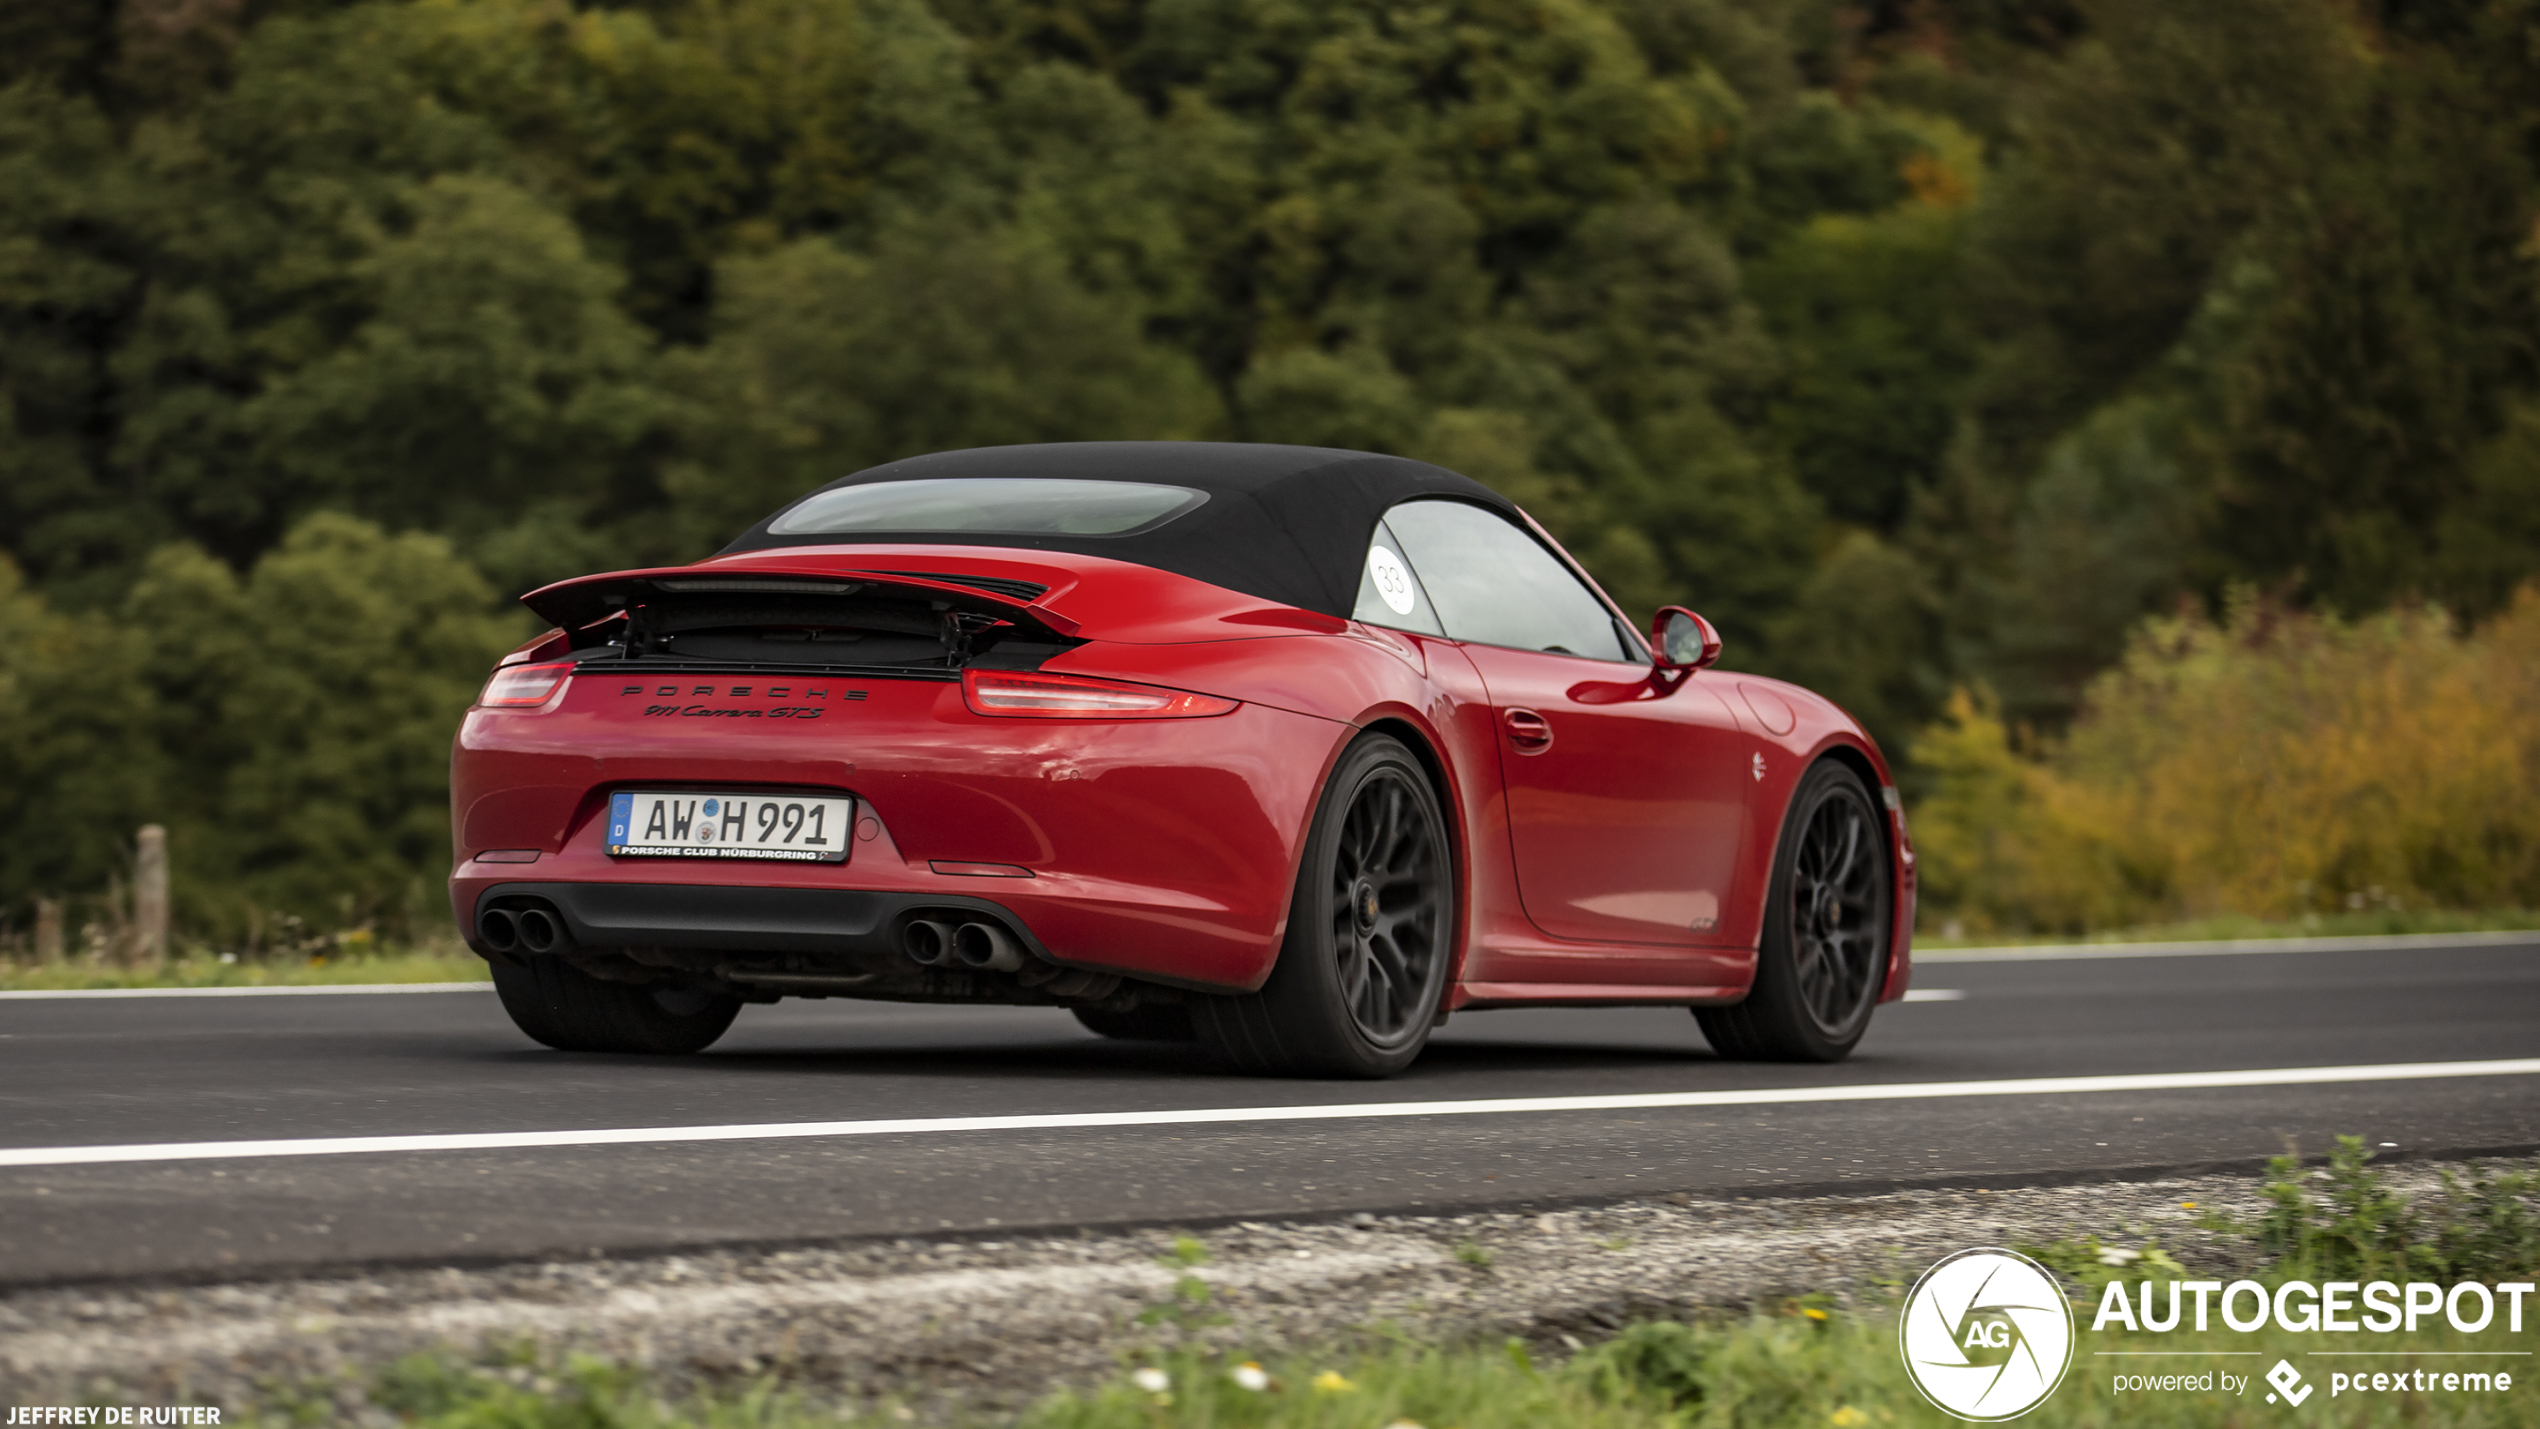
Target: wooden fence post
[[150, 893], [48, 930]]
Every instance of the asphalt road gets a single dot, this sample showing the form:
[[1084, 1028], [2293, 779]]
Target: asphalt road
[[145, 1072]]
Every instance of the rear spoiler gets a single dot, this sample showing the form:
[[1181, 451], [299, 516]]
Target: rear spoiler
[[588, 600]]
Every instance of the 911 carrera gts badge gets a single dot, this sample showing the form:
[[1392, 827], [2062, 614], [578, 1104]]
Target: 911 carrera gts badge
[[728, 712], [1759, 769], [773, 692]]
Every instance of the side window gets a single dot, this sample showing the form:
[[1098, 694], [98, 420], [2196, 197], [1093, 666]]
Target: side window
[[1388, 594], [1492, 584]]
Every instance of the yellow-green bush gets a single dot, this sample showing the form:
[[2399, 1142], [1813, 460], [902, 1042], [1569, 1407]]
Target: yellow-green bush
[[2273, 763]]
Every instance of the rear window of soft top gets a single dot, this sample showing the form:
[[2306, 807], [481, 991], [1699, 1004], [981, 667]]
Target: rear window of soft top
[[1011, 506]]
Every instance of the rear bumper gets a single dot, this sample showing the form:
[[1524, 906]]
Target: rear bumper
[[829, 923], [1163, 850]]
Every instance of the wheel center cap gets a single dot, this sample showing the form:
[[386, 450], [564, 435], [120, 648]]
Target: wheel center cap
[[1825, 913], [1362, 901]]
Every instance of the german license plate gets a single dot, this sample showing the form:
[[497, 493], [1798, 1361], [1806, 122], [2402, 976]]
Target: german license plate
[[790, 827]]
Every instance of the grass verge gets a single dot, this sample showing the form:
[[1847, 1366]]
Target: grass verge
[[201, 967], [1796, 1363], [1781, 1369], [2370, 923]]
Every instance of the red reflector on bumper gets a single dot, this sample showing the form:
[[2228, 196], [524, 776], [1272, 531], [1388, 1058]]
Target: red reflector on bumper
[[508, 855], [1039, 696], [978, 870]]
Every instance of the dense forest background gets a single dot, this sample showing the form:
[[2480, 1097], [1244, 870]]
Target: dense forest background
[[1925, 344]]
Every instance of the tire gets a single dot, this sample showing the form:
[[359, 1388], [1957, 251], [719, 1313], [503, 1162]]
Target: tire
[[1827, 924], [1370, 929], [571, 1011], [1148, 1022]]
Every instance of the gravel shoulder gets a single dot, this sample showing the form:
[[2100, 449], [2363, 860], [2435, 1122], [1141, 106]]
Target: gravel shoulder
[[983, 1324]]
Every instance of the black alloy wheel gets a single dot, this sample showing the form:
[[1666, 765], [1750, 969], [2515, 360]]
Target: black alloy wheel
[[1386, 903], [560, 1005], [1826, 931], [1370, 932]]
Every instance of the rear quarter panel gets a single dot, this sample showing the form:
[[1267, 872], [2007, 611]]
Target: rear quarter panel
[[1358, 679]]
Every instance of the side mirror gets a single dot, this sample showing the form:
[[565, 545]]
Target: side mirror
[[1684, 640]]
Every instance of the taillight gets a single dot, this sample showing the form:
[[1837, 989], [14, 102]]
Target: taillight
[[522, 686], [997, 692]]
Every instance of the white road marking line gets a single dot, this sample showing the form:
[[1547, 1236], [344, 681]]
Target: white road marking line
[[1935, 994], [2061, 952], [1208, 1116], [326, 990]]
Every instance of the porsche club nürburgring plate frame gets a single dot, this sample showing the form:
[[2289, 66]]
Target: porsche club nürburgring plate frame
[[691, 823]]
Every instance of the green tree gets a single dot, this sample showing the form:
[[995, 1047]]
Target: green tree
[[67, 291], [79, 771], [1866, 631], [826, 361], [1871, 315], [306, 713], [1913, 343], [2142, 156], [2391, 332], [492, 361], [2105, 535]]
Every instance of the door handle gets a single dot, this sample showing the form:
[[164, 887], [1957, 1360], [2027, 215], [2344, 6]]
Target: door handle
[[1528, 731]]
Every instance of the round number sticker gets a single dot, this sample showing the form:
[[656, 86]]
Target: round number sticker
[[1393, 582]]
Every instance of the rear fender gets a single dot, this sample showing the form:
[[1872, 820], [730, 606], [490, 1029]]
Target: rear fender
[[1364, 678]]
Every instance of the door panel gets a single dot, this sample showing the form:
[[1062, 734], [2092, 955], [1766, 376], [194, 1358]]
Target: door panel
[[1627, 808], [1623, 791]]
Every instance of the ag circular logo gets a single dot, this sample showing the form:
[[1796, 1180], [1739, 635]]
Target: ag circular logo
[[1986, 1335]]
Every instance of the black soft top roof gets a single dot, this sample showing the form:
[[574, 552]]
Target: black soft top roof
[[1289, 524]]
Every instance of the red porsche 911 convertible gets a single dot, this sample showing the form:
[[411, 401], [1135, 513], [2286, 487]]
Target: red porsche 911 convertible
[[1285, 750]]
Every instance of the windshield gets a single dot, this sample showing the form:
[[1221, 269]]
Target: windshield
[[1017, 506]]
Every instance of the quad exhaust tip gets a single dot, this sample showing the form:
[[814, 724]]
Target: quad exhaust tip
[[981, 947], [987, 947], [929, 942], [532, 929], [538, 930]]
